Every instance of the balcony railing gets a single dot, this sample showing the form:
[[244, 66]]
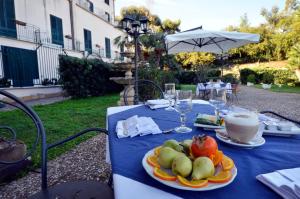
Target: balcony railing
[[106, 16]]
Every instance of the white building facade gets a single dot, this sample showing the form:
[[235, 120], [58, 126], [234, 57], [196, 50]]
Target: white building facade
[[33, 33]]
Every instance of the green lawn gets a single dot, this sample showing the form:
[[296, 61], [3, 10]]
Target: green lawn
[[61, 120], [283, 88], [188, 87]]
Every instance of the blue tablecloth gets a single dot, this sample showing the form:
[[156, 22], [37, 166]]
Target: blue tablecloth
[[126, 155]]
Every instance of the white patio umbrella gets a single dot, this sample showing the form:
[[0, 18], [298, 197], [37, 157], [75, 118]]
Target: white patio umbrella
[[199, 40]]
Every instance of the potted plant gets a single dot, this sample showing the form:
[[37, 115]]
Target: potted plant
[[251, 80], [4, 83], [267, 80]]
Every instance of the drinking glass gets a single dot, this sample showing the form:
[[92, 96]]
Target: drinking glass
[[183, 105], [169, 94]]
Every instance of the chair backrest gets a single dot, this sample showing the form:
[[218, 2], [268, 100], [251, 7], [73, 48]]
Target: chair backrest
[[15, 102], [41, 134], [147, 89]]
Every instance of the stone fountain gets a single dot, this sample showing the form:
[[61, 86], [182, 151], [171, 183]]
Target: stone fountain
[[126, 81]]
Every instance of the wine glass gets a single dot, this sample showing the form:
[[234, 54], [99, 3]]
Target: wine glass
[[183, 105], [169, 94], [218, 99]]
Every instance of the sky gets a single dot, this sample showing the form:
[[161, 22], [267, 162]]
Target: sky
[[211, 14]]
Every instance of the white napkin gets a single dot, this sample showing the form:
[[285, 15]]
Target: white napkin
[[158, 103], [135, 125], [284, 182]]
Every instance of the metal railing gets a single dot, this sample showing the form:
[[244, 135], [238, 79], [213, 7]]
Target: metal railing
[[106, 16]]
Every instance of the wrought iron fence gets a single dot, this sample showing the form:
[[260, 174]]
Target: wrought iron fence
[[48, 62]]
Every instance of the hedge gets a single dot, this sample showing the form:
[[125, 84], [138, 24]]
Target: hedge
[[279, 75], [87, 77]]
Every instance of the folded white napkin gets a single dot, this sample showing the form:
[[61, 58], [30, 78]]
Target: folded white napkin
[[284, 182], [158, 103], [135, 125]]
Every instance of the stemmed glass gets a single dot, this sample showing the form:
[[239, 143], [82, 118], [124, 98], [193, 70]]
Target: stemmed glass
[[169, 94], [183, 105], [218, 99]]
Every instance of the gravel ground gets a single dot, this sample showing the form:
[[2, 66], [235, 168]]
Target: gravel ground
[[287, 104], [87, 160]]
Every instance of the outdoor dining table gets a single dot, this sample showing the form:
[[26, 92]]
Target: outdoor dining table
[[131, 180]]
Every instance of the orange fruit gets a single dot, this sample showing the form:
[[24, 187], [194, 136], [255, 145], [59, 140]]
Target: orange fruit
[[163, 175], [217, 158], [152, 160], [192, 183], [223, 176], [227, 163], [157, 150]]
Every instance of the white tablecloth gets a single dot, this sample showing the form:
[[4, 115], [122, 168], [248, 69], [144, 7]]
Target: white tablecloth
[[125, 188]]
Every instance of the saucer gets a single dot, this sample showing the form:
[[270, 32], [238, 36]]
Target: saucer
[[221, 134]]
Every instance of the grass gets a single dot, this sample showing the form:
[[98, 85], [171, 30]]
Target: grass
[[275, 88], [282, 89], [188, 87], [60, 120]]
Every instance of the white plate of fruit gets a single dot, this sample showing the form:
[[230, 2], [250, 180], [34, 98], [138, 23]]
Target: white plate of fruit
[[195, 165]]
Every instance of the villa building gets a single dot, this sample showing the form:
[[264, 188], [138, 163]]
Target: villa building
[[33, 33]]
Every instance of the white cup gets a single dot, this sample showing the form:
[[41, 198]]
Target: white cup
[[242, 126]]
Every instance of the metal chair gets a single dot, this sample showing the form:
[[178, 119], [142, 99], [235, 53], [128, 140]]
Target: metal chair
[[281, 116], [84, 189], [147, 89]]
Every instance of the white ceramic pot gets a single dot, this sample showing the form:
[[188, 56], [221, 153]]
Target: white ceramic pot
[[249, 84], [297, 71], [266, 86]]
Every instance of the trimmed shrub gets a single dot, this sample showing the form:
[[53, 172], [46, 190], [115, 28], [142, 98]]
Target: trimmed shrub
[[251, 78], [244, 73], [87, 77], [267, 78], [187, 77], [230, 78], [213, 73]]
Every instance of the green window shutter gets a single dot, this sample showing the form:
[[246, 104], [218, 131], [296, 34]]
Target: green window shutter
[[7, 18], [56, 30], [107, 48], [87, 40]]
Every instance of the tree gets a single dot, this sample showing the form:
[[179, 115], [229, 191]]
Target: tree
[[294, 56]]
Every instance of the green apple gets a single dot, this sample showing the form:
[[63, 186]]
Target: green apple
[[203, 167], [182, 165]]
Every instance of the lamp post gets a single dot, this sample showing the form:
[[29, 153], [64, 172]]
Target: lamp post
[[135, 27]]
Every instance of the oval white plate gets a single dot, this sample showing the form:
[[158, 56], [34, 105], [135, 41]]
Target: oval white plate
[[175, 184], [251, 144]]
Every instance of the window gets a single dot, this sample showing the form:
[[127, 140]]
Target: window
[[7, 18], [56, 30], [91, 7], [107, 15], [87, 40], [107, 48], [106, 1]]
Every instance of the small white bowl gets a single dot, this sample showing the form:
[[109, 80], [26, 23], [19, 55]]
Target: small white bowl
[[272, 126], [285, 126]]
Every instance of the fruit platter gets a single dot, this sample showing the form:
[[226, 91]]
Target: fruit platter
[[194, 164]]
